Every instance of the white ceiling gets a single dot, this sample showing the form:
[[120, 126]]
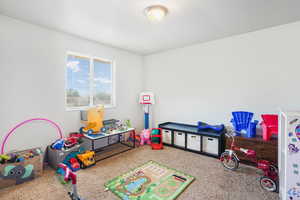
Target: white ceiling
[[122, 24]]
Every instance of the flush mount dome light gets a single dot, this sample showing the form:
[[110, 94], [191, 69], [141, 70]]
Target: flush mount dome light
[[156, 13]]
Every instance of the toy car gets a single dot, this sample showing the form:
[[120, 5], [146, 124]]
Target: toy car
[[70, 142], [74, 164], [86, 159]]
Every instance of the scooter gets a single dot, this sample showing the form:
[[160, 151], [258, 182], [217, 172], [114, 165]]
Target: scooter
[[230, 160], [70, 176]]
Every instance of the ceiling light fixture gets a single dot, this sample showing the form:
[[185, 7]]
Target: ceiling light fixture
[[156, 13]]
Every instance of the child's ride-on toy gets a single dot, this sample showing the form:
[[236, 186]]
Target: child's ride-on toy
[[229, 159], [94, 120], [70, 176]]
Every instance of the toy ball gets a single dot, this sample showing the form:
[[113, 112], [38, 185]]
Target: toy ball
[[297, 132]]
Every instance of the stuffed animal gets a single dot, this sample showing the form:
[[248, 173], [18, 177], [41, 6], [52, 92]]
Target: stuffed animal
[[145, 136]]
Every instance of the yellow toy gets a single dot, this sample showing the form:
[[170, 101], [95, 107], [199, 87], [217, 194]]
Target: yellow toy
[[86, 159], [94, 121]]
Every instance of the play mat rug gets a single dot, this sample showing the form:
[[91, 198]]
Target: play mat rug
[[151, 181]]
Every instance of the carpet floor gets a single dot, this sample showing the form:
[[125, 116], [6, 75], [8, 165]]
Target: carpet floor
[[213, 182]]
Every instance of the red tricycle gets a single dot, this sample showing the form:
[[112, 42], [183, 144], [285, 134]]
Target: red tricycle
[[230, 160]]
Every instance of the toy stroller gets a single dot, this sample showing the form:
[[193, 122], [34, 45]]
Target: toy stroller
[[70, 176]]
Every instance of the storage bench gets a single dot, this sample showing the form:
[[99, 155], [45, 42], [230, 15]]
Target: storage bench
[[187, 137]]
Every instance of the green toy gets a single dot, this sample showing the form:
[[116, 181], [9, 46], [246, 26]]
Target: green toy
[[4, 158]]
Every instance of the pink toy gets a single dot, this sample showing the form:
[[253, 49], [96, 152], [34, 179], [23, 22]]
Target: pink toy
[[269, 126], [145, 136], [25, 122]]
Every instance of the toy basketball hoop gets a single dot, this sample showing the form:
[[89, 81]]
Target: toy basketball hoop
[[147, 99]]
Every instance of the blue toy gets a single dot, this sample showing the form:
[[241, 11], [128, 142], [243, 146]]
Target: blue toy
[[242, 122], [58, 144], [215, 128]]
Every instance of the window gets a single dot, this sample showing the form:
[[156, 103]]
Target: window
[[90, 82]]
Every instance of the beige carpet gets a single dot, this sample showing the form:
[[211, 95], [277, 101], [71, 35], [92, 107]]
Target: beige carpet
[[212, 182]]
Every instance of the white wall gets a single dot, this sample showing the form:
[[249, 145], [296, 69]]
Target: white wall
[[258, 72], [32, 77]]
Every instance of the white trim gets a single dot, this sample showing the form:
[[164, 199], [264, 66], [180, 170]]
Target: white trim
[[91, 81]]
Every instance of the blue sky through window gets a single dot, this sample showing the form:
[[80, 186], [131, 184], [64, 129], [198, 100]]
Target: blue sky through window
[[79, 81]]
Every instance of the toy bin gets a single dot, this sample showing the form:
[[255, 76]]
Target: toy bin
[[194, 142], [54, 156], [167, 136], [210, 145], [179, 139], [20, 172]]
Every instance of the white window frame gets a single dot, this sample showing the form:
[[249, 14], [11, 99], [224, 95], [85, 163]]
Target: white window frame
[[91, 81]]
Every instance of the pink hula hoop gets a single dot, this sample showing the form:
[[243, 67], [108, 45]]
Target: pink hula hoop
[[25, 122]]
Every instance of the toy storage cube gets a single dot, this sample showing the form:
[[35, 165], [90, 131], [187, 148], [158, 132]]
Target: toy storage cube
[[194, 142], [179, 139], [167, 136], [99, 143], [36, 164], [210, 145], [55, 156], [113, 139]]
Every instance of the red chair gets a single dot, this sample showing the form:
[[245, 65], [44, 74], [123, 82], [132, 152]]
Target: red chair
[[269, 126]]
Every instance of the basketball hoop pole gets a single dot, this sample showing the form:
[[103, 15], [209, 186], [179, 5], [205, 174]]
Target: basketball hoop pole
[[146, 98], [146, 115]]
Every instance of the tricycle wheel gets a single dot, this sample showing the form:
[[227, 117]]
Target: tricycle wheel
[[268, 184], [274, 169], [230, 162]]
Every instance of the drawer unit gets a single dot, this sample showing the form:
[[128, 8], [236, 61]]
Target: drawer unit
[[99, 143], [179, 139], [210, 145], [113, 139], [194, 142], [167, 136]]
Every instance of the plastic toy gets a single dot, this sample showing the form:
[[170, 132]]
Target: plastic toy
[[94, 121], [269, 126], [58, 144], [4, 158], [25, 122], [71, 161], [136, 139], [229, 159], [70, 142], [147, 99], [145, 136], [216, 128], [86, 159], [242, 123], [156, 139], [70, 176], [74, 164]]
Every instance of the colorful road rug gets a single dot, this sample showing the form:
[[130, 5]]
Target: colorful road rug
[[151, 181]]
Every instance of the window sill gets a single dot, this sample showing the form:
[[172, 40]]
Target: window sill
[[85, 108]]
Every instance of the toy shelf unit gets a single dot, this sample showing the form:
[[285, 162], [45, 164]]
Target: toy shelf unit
[[107, 143], [188, 137], [289, 155]]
